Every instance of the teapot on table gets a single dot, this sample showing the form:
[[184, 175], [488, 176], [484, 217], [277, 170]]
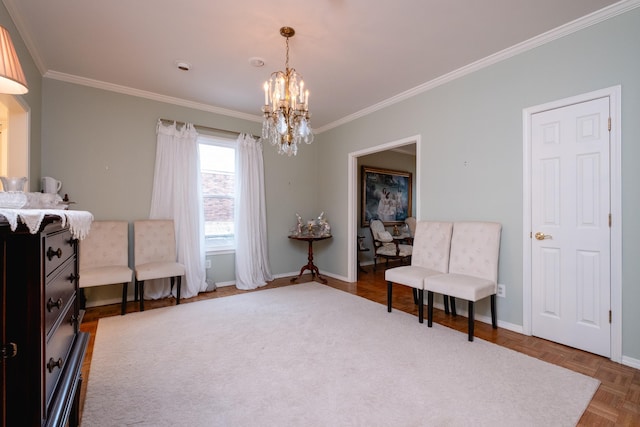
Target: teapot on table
[[13, 183]]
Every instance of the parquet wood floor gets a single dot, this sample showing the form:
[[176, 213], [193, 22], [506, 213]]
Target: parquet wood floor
[[616, 402]]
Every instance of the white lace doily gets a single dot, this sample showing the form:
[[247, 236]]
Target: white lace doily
[[79, 221]]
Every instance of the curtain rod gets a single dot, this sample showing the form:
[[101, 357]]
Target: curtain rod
[[212, 129]]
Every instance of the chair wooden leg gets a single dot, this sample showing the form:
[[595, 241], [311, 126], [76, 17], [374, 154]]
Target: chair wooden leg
[[420, 305], [389, 292], [445, 299], [429, 308], [471, 321], [141, 294], [178, 290], [453, 305], [415, 296], [494, 320], [172, 280], [125, 288], [83, 299], [136, 290]]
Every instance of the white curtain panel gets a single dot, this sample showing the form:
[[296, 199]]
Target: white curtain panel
[[177, 195], [252, 260]]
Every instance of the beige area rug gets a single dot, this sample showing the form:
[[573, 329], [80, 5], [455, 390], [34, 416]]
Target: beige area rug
[[310, 355]]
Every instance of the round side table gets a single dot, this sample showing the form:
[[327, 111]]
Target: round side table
[[310, 265]]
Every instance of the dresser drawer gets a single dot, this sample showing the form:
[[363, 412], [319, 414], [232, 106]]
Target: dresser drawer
[[58, 293], [40, 384], [58, 247], [57, 350]]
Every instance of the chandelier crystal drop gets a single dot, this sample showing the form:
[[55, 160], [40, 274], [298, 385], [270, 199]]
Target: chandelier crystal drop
[[286, 121]]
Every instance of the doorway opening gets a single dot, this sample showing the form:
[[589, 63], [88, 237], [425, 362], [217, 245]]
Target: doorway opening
[[404, 144], [14, 138]]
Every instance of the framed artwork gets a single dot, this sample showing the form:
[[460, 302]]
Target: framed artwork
[[386, 195]]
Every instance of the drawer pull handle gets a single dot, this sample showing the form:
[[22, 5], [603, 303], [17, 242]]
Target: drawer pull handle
[[54, 364], [51, 253], [73, 277], [9, 350], [51, 305]]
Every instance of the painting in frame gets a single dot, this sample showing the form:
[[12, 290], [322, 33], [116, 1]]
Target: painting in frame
[[386, 195]]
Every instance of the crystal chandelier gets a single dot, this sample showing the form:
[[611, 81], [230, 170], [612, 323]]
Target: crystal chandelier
[[286, 107]]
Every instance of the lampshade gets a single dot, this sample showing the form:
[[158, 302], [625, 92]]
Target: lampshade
[[12, 80]]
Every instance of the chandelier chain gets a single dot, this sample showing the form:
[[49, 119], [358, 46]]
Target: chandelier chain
[[286, 61]]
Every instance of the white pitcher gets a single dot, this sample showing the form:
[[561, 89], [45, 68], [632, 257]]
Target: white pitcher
[[50, 185], [12, 183]]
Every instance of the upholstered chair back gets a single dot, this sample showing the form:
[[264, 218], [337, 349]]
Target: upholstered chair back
[[154, 241], [431, 245], [379, 232], [383, 240], [106, 245], [475, 248]]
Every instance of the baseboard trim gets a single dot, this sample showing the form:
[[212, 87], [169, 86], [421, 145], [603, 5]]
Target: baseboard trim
[[630, 361]]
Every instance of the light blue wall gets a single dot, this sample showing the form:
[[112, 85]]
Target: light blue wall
[[478, 119], [102, 146]]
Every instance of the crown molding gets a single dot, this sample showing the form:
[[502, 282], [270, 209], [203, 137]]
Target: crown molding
[[149, 95], [554, 34]]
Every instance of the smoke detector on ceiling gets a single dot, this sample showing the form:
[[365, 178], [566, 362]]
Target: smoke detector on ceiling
[[183, 66], [256, 61]]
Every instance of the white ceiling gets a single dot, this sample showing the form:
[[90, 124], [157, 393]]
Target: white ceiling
[[354, 54]]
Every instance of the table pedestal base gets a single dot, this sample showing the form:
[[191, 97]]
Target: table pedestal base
[[315, 273]]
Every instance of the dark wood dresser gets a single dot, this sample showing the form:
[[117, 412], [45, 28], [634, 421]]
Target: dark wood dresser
[[42, 347]]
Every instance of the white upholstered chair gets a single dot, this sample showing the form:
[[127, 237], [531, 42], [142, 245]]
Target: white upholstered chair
[[430, 257], [155, 255], [104, 258], [473, 269], [385, 246]]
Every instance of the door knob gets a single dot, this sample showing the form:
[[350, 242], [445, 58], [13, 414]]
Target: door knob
[[542, 236]]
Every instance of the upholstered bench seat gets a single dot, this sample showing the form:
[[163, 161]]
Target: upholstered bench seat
[[104, 258], [473, 269], [96, 276], [410, 275], [154, 270], [457, 260], [469, 288], [155, 255], [430, 257]]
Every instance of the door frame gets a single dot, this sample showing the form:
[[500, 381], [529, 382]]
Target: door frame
[[352, 192], [615, 181]]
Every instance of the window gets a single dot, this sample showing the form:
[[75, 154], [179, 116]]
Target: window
[[217, 169]]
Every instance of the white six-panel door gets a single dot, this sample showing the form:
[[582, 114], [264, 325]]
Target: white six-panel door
[[570, 208]]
